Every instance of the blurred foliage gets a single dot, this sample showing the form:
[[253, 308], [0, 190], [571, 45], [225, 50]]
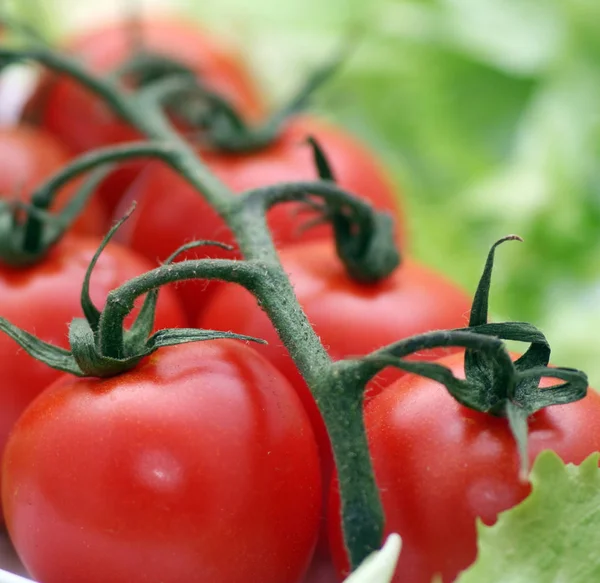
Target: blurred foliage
[[487, 112]]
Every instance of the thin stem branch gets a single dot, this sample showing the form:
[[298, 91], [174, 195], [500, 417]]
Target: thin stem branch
[[42, 197], [120, 301]]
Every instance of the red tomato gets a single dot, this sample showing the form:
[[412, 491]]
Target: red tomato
[[44, 298], [351, 319], [439, 466], [28, 157], [168, 205], [84, 122], [199, 465]]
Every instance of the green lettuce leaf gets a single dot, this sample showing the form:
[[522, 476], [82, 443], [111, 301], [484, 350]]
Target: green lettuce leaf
[[552, 536]]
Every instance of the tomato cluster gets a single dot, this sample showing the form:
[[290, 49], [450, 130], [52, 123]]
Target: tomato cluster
[[210, 461]]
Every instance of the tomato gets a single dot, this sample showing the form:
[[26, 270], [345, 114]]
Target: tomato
[[440, 465], [84, 122], [28, 157], [168, 205], [350, 318], [44, 298], [199, 465]]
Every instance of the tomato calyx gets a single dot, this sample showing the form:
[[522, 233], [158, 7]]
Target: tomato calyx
[[219, 126], [29, 230], [494, 383], [147, 67], [100, 345], [364, 237]]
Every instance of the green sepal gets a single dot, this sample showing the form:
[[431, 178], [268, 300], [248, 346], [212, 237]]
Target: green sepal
[[493, 383], [517, 421], [54, 356], [85, 334], [136, 337], [366, 247], [573, 389], [515, 393], [478, 368], [321, 162], [88, 358], [91, 362], [369, 253], [91, 312], [174, 336]]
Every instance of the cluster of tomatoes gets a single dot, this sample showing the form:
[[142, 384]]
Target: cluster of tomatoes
[[209, 461]]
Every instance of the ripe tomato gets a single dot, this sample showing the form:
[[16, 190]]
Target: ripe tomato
[[351, 319], [44, 298], [439, 466], [83, 122], [199, 465], [28, 157], [168, 205]]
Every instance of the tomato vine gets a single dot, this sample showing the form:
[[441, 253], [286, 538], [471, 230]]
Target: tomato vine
[[365, 244]]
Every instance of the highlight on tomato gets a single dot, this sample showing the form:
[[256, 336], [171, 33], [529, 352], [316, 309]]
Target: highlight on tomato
[[445, 456]]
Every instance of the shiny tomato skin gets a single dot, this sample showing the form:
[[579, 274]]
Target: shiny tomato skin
[[439, 466], [83, 122], [44, 298], [167, 204], [199, 465], [28, 157]]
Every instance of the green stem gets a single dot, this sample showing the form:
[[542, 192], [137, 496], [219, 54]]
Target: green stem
[[288, 191], [120, 301], [43, 196], [108, 91], [334, 391], [130, 108]]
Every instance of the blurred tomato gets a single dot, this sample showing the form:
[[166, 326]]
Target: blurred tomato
[[83, 122]]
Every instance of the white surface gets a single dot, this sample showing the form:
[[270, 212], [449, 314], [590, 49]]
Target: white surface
[[6, 577]]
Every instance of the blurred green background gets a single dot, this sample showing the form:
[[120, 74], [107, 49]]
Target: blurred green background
[[486, 111]]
